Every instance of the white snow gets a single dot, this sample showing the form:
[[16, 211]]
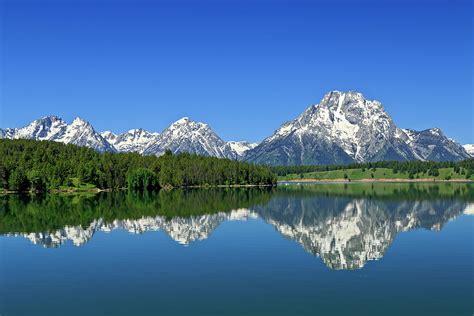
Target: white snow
[[469, 148], [360, 127], [241, 147]]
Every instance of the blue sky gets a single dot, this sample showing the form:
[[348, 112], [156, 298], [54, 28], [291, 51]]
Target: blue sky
[[244, 67]]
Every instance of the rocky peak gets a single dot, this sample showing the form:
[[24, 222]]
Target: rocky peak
[[186, 135], [80, 122], [42, 129], [346, 124], [108, 135]]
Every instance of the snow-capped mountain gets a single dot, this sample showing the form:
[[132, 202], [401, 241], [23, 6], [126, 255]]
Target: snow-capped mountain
[[469, 149], [189, 136], [184, 135], [135, 140], [344, 128], [239, 148], [79, 132], [46, 128], [432, 144]]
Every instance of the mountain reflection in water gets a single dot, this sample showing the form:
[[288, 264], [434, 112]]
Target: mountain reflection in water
[[344, 225]]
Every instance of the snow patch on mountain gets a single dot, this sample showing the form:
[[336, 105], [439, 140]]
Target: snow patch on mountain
[[134, 140], [238, 147], [469, 149]]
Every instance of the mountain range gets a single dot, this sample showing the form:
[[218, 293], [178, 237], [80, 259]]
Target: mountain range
[[343, 128]]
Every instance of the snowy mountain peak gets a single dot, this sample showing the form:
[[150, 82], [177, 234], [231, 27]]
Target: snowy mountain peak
[[183, 120], [81, 124], [186, 135], [344, 128], [137, 131], [241, 147], [432, 144], [183, 135], [41, 129], [187, 124], [79, 132], [108, 134], [346, 99], [134, 140], [436, 131], [469, 149], [51, 118], [80, 121]]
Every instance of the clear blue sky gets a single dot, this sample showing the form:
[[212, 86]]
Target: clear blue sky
[[244, 67]]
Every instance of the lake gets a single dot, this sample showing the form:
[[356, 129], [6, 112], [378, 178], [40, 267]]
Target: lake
[[321, 249]]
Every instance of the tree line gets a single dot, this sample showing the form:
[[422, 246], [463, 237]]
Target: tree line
[[411, 167], [44, 166]]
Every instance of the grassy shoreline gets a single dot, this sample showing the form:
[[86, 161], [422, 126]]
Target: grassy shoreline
[[367, 180], [378, 175]]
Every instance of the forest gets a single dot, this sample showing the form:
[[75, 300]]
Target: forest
[[40, 166], [29, 165]]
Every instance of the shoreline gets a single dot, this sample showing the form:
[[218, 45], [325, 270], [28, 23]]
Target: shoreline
[[369, 180], [294, 181]]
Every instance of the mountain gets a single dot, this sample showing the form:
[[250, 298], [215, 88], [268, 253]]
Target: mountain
[[432, 144], [344, 128], [469, 149], [184, 135], [238, 149], [189, 136], [135, 140], [79, 132]]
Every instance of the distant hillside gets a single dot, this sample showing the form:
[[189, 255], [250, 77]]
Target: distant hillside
[[385, 170]]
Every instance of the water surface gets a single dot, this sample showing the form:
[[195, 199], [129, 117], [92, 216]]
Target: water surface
[[339, 249]]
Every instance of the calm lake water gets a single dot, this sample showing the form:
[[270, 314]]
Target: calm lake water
[[353, 249]]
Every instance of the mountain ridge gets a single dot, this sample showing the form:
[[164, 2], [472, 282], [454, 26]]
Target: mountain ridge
[[344, 127]]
